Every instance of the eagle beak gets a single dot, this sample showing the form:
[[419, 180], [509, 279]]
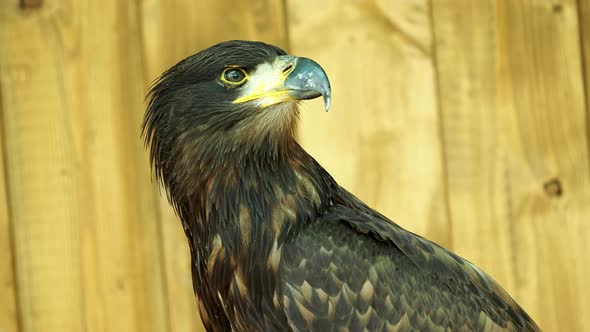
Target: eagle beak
[[308, 80], [289, 78]]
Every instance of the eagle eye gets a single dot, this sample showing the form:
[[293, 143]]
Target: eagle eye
[[234, 76]]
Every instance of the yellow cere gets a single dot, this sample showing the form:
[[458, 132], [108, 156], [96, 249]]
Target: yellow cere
[[265, 85]]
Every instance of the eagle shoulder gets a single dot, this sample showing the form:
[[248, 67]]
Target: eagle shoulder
[[354, 269]]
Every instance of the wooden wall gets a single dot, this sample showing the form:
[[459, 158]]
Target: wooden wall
[[464, 120]]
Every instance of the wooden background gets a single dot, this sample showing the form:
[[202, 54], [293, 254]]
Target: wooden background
[[463, 120]]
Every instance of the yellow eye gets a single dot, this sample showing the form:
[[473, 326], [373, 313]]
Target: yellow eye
[[234, 75]]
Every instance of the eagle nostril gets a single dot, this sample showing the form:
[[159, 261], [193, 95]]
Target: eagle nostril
[[287, 69]]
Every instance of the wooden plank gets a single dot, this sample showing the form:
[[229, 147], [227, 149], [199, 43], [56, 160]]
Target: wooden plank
[[170, 33], [8, 308], [516, 148], [122, 245], [87, 239], [381, 140], [474, 162], [41, 169]]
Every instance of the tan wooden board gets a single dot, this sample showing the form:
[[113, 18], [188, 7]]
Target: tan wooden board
[[512, 102], [8, 308], [83, 212], [381, 140]]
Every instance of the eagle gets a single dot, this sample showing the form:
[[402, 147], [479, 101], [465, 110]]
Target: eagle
[[276, 244]]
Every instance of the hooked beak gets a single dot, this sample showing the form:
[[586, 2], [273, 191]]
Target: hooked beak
[[289, 78]]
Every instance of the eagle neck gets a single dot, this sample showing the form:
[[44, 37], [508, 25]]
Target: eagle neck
[[239, 220], [259, 195]]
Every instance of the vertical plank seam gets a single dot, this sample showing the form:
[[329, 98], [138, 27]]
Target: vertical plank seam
[[155, 193], [441, 127], [11, 232], [513, 233], [288, 43], [286, 25], [581, 28]]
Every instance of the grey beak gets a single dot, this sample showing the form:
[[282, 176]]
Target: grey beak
[[308, 80]]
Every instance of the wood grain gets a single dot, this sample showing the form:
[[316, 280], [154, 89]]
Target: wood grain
[[170, 33], [87, 247], [8, 307], [43, 179], [512, 102], [472, 134], [123, 249], [381, 140]]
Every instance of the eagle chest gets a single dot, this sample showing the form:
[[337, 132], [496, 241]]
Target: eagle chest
[[238, 275]]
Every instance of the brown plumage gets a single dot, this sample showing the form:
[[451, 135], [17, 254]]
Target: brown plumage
[[276, 244]]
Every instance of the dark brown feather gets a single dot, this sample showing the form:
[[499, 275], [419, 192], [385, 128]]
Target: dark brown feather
[[380, 277]]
